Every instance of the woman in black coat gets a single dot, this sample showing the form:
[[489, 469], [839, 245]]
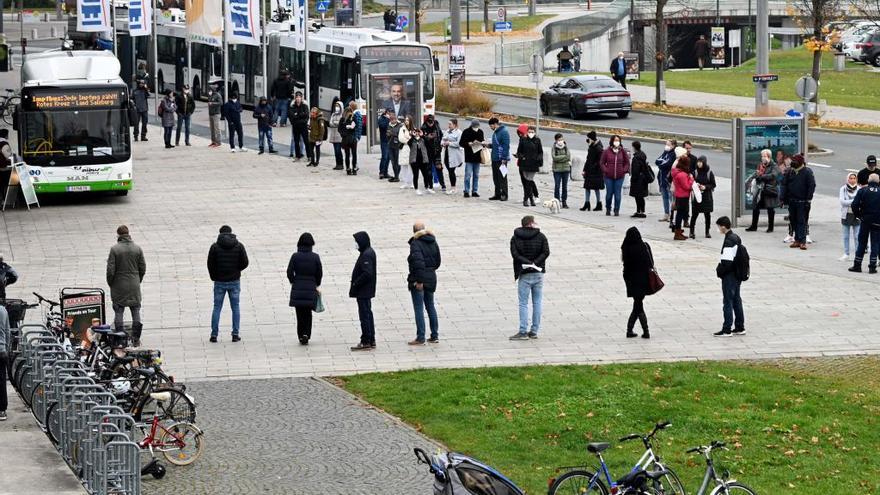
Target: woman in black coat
[[594, 179], [640, 176], [530, 158], [637, 262], [706, 179], [304, 273]]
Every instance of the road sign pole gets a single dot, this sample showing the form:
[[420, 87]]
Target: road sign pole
[[502, 53], [762, 93]]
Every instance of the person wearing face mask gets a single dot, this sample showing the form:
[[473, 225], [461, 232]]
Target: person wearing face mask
[[432, 135], [640, 176], [561, 169], [866, 207], [800, 184], [530, 157], [186, 105], [167, 109], [317, 134], [265, 120], [847, 217], [141, 96], [594, 180], [420, 161], [615, 166], [500, 155], [215, 104], [333, 134], [664, 167], [404, 136], [618, 69], [363, 289], [453, 154], [232, 114], [682, 182], [472, 143], [298, 113], [705, 178], [765, 192]]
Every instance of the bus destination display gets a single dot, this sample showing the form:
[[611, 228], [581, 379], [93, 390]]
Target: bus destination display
[[394, 52], [76, 99]]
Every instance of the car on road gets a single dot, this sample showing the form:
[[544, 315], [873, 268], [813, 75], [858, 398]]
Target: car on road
[[870, 45], [580, 95]]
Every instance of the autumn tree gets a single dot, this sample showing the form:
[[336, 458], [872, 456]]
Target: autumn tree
[[814, 16]]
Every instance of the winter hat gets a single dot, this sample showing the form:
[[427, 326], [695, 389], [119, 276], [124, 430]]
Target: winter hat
[[522, 129], [871, 160], [226, 229], [797, 159], [591, 135], [475, 123], [680, 152]]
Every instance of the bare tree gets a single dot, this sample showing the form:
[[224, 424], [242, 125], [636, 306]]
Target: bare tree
[[814, 16], [867, 9], [659, 48], [485, 16]]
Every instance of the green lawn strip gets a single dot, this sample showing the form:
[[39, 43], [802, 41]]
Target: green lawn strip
[[521, 23], [789, 431]]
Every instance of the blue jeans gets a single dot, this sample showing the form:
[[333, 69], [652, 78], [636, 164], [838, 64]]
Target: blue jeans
[[846, 233], [530, 284], [183, 124], [424, 300], [281, 106], [383, 160], [471, 170], [220, 290], [665, 192], [266, 134], [560, 179], [587, 195], [613, 190], [733, 305]]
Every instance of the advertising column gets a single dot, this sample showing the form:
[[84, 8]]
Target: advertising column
[[717, 43], [456, 66]]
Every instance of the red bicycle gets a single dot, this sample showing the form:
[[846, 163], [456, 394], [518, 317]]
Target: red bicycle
[[180, 442]]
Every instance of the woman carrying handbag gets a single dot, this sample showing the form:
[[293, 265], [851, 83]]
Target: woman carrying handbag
[[640, 277], [304, 272]]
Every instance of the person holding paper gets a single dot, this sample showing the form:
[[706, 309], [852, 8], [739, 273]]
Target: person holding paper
[[500, 156], [704, 179], [530, 250], [730, 284], [472, 142]]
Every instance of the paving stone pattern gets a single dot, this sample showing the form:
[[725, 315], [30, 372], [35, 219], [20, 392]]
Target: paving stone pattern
[[297, 436]]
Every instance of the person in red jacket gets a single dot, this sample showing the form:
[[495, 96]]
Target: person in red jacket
[[683, 181], [615, 166]]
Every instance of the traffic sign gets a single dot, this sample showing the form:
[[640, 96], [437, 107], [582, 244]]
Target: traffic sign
[[502, 15], [503, 27], [806, 87], [322, 6], [537, 63], [765, 77]]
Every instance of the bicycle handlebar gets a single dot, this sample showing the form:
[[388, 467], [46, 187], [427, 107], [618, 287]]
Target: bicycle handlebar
[[421, 456], [633, 436], [43, 299], [707, 448]]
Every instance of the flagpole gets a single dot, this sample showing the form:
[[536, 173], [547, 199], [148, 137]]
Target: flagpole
[[113, 24], [155, 55], [225, 49], [306, 48], [263, 43]]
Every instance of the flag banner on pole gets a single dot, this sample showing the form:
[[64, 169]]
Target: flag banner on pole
[[93, 16], [299, 24], [140, 17], [242, 22], [204, 21]]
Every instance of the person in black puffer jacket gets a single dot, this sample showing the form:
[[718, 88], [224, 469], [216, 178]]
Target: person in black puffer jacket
[[304, 273], [593, 179], [530, 250], [423, 261], [363, 288], [227, 258]]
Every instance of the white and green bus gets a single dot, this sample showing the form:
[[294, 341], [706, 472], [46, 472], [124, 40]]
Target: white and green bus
[[73, 124]]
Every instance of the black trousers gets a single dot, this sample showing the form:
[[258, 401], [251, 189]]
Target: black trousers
[[368, 327], [427, 177], [4, 403], [394, 159], [300, 139], [452, 177], [640, 204], [303, 323], [681, 211], [638, 312], [706, 214], [797, 212], [530, 189], [756, 214], [499, 180], [314, 152], [351, 156]]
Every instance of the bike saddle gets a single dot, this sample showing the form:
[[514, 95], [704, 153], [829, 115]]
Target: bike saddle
[[595, 448], [160, 396], [656, 475], [102, 329]]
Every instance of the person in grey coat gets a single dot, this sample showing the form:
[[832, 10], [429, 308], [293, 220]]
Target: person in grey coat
[[141, 97], [215, 107], [167, 109], [126, 268]]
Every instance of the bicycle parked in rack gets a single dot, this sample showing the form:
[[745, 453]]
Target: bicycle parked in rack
[[8, 103], [723, 484], [181, 443]]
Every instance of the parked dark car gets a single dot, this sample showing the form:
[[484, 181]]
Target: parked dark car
[[581, 95], [871, 49]]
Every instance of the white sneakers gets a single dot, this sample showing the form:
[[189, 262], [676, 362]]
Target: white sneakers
[[432, 191], [843, 258], [419, 192], [788, 238], [809, 241]]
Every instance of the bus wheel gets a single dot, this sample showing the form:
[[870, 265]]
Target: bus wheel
[[197, 89], [122, 193], [161, 83]]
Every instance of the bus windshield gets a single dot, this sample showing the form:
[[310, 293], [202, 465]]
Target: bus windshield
[[400, 59], [62, 127]]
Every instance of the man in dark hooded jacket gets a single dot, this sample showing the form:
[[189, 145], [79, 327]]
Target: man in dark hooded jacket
[[530, 250], [423, 261], [226, 260], [363, 288]]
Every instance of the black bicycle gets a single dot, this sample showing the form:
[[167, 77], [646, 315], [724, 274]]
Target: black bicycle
[[8, 102]]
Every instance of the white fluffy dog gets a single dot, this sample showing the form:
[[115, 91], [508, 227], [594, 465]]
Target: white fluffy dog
[[553, 205]]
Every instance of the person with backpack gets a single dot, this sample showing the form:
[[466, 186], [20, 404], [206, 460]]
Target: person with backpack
[[733, 270]]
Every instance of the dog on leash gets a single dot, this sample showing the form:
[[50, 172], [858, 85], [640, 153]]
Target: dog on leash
[[553, 205]]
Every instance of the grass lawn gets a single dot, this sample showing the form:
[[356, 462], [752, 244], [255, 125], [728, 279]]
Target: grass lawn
[[856, 87], [803, 430], [520, 23]]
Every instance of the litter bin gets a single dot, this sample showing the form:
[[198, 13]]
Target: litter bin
[[4, 57], [839, 62]]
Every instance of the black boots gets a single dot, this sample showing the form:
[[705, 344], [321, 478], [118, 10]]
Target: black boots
[[598, 206], [136, 329], [565, 205], [585, 207]]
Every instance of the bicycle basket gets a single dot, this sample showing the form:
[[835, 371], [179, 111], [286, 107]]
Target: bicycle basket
[[465, 475], [16, 308]]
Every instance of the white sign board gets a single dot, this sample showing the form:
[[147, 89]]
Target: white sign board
[[734, 38], [502, 15], [27, 187]]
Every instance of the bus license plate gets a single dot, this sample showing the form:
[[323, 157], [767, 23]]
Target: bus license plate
[[78, 188]]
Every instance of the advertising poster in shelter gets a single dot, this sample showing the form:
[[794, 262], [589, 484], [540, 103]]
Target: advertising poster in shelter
[[456, 66], [204, 21], [785, 134], [401, 93], [78, 310]]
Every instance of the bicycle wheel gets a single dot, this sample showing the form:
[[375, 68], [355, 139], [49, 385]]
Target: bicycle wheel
[[182, 443], [53, 422], [9, 109], [733, 488], [38, 397], [669, 484], [578, 482], [177, 408]]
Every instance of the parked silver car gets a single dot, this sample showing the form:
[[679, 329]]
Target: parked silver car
[[580, 95]]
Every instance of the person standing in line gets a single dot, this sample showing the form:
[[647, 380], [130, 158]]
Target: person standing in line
[[847, 217], [594, 180], [870, 168], [126, 267], [232, 114], [637, 263], [317, 135], [705, 178], [530, 250], [186, 106], [432, 135], [500, 156], [561, 169], [530, 156], [363, 288], [682, 182], [281, 90], [384, 157], [701, 51], [404, 135], [304, 272], [347, 128], [334, 136], [618, 70], [265, 120], [141, 98], [866, 207], [664, 168], [423, 261], [298, 113], [615, 166], [472, 140], [640, 176], [800, 184], [420, 161], [392, 137], [8, 276], [167, 108], [734, 321], [4, 360], [227, 258], [679, 153], [765, 192], [453, 154], [215, 104]]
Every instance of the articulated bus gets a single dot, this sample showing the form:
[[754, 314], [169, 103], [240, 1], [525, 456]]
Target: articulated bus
[[72, 123]]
